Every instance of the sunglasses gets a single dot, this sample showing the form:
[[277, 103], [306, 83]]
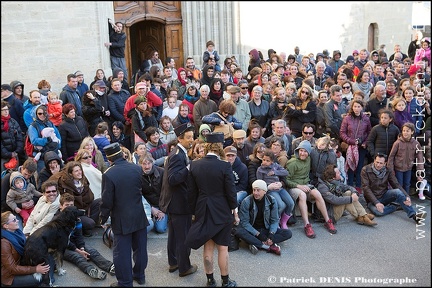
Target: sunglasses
[[13, 220], [308, 133], [346, 87], [304, 92], [86, 157], [51, 191], [40, 113]]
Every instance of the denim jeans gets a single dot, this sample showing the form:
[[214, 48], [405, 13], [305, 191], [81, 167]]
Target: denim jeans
[[240, 196], [280, 236], [84, 265], [284, 201], [404, 179], [392, 195]]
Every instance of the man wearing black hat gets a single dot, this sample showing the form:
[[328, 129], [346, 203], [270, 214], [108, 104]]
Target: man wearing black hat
[[174, 201], [16, 110], [213, 203], [122, 199]]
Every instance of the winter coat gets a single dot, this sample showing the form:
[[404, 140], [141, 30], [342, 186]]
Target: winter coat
[[72, 132], [11, 140], [404, 154]]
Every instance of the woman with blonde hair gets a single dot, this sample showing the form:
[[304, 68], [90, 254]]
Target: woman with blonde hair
[[301, 110], [93, 175], [97, 157]]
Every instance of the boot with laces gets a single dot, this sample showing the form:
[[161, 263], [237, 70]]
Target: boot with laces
[[330, 227], [364, 220]]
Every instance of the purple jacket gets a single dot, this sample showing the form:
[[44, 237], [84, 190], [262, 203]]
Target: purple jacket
[[349, 127]]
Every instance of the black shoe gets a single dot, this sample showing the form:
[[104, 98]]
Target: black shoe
[[87, 233], [139, 281], [191, 270], [419, 218], [231, 283], [173, 268], [211, 283], [292, 220]]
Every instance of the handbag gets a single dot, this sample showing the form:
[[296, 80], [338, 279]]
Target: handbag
[[227, 129]]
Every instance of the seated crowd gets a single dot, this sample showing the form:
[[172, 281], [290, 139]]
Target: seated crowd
[[302, 135]]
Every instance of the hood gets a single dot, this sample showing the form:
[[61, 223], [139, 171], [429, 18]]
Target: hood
[[15, 175], [49, 156], [255, 54], [15, 84], [305, 144], [116, 71]]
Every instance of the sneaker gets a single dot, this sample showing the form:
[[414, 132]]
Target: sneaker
[[231, 283], [97, 274], [253, 249], [211, 282], [274, 248], [419, 218], [330, 227], [112, 270], [309, 231], [421, 196]]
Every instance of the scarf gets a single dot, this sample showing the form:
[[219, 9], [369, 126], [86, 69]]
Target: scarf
[[183, 119], [190, 98], [379, 173], [183, 82], [352, 158], [364, 87], [17, 239], [5, 120]]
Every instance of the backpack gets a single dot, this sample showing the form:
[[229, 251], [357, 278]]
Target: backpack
[[28, 146]]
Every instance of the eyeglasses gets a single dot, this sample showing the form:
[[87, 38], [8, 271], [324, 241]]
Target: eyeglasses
[[13, 220], [346, 87], [51, 191], [86, 157], [308, 133]]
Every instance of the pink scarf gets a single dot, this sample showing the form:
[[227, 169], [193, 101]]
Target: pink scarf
[[352, 158]]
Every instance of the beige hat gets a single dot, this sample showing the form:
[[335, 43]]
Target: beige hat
[[239, 134], [233, 89], [260, 184]]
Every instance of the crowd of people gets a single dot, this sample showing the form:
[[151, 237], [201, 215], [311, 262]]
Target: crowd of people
[[300, 135]]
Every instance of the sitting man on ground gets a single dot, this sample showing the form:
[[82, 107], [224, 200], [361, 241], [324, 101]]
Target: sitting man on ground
[[80, 254], [376, 179], [259, 221], [339, 196]]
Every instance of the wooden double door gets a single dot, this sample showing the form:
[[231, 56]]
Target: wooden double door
[[150, 25]]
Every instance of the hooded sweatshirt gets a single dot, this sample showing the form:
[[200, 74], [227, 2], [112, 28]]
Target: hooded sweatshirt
[[298, 170], [16, 195]]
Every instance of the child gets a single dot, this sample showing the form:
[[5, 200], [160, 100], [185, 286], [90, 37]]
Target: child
[[20, 192], [404, 154], [172, 110], [45, 133], [340, 160], [238, 75], [102, 139], [273, 174], [54, 108], [401, 115], [211, 53]]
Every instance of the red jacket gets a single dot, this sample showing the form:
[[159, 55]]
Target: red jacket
[[55, 112], [152, 100]]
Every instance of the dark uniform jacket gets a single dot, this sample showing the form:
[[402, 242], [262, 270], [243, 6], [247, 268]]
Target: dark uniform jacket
[[175, 190], [122, 198]]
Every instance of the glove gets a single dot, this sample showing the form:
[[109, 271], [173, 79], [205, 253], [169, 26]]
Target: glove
[[271, 236], [262, 237]]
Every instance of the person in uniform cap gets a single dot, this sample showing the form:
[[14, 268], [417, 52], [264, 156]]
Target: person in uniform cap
[[123, 205], [214, 204], [259, 221], [174, 201]]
